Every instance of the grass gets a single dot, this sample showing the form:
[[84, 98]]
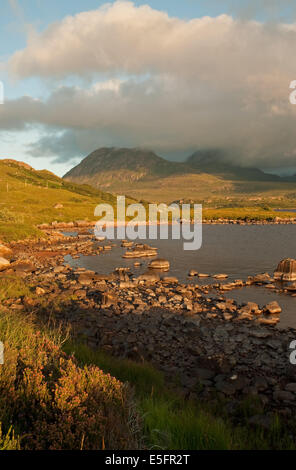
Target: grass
[[245, 213], [172, 422], [211, 190], [28, 198], [13, 287]]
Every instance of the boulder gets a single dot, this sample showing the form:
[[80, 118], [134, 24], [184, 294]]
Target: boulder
[[108, 299], [160, 263], [268, 321], [39, 291], [249, 308], [170, 280], [192, 273], [126, 244], [139, 253], [260, 279], [5, 252], [292, 287], [286, 270], [273, 308], [149, 277], [85, 279], [23, 266], [4, 263]]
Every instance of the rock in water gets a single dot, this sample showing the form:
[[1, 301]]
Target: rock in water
[[260, 279], [192, 273], [160, 264], [4, 263], [273, 308], [286, 270], [220, 276]]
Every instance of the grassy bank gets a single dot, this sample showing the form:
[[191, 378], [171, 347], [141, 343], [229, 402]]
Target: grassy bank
[[245, 213], [30, 197]]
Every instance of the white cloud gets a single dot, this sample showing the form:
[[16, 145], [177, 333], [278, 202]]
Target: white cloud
[[199, 83], [123, 38]]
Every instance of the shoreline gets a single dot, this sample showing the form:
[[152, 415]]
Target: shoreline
[[173, 325], [220, 221]]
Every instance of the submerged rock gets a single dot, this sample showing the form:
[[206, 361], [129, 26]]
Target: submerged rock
[[260, 279]]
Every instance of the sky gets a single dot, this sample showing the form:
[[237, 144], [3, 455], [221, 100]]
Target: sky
[[173, 76]]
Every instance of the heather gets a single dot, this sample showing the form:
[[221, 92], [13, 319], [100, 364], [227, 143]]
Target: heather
[[48, 402]]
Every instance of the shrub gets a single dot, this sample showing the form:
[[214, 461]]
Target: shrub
[[53, 404]]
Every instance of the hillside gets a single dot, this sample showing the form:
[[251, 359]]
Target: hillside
[[215, 162], [206, 177], [28, 198]]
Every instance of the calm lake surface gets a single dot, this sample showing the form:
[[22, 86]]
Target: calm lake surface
[[239, 251]]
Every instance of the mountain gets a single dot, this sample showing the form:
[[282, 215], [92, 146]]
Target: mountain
[[207, 176], [215, 162], [107, 165]]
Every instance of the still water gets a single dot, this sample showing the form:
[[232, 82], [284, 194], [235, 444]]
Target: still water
[[236, 250]]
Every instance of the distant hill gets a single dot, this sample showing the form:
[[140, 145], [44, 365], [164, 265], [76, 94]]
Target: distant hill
[[215, 162], [106, 166], [29, 197], [208, 177]]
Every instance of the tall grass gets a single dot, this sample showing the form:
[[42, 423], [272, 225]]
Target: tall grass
[[172, 422], [13, 287]]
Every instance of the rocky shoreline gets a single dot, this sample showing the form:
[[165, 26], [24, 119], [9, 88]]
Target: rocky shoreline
[[214, 347], [90, 224]]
